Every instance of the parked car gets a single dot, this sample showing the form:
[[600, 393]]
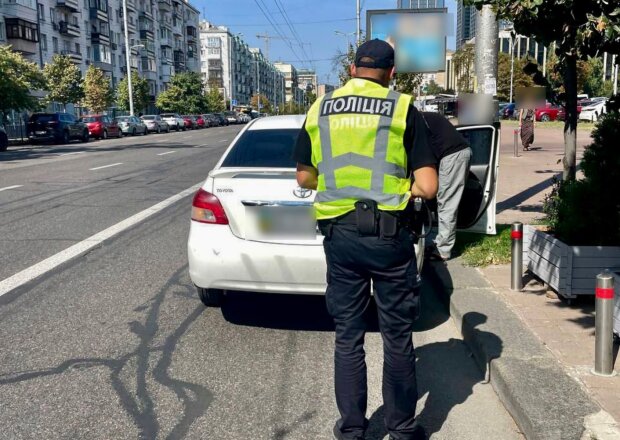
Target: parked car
[[175, 121], [562, 113], [58, 127], [201, 122], [190, 122], [232, 117], [223, 119], [156, 123], [132, 125], [102, 126], [547, 113], [4, 139], [209, 120], [243, 198], [507, 110], [593, 109]]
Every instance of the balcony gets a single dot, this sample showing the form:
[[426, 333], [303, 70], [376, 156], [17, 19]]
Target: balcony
[[22, 35], [166, 71], [100, 38], [71, 5], [75, 57], [192, 35], [147, 14], [98, 14], [103, 65], [149, 46], [131, 5], [131, 27], [69, 29], [178, 28], [166, 42], [149, 75], [165, 5], [146, 30]]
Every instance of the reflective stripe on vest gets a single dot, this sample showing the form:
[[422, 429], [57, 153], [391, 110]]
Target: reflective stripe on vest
[[327, 124]]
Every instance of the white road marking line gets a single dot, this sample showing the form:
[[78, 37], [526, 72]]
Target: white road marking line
[[224, 140], [10, 187], [105, 166], [167, 152], [202, 145], [75, 152], [41, 268]]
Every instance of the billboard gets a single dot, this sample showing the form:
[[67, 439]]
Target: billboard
[[418, 36]]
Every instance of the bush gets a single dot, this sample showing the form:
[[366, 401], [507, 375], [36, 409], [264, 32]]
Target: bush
[[587, 211]]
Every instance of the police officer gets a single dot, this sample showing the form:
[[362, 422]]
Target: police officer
[[358, 148], [453, 154]]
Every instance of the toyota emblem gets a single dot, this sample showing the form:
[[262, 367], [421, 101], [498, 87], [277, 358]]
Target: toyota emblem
[[302, 193]]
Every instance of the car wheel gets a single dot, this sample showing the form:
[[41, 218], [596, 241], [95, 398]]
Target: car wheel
[[168, 129], [65, 137], [4, 142], [211, 297], [105, 134], [545, 118], [120, 133], [85, 136], [133, 131], [158, 129]]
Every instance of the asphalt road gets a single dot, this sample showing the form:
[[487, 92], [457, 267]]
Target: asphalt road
[[115, 344]]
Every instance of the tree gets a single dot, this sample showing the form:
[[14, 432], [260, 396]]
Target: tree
[[64, 81], [463, 60], [265, 105], [18, 77], [343, 62], [520, 78], [185, 95], [140, 93], [311, 97], [432, 88], [215, 101], [579, 28], [98, 94], [408, 83]]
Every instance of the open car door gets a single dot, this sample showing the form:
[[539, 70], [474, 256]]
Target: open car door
[[477, 207]]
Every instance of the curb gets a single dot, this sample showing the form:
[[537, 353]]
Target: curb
[[545, 402]]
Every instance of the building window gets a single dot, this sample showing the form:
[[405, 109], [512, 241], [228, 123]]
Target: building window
[[44, 42], [22, 30], [213, 42], [41, 12], [77, 48], [1, 32], [214, 51], [53, 15], [55, 44]]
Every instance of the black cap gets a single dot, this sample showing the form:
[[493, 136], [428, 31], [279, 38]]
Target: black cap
[[381, 52]]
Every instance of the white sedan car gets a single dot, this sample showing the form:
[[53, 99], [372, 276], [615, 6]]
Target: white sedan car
[[252, 228], [593, 109]]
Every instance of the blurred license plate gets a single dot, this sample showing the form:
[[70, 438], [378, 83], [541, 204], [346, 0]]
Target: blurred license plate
[[282, 222], [40, 132]]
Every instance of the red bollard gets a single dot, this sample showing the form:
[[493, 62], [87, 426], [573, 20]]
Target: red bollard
[[516, 261], [604, 332]]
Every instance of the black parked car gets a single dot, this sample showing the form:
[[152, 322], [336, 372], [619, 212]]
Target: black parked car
[[4, 139], [58, 127], [223, 119]]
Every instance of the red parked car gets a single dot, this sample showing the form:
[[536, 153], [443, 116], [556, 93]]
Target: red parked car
[[201, 122], [190, 124], [562, 112], [547, 113], [102, 126]]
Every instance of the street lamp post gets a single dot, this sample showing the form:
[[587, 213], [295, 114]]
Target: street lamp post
[[128, 57], [512, 64]]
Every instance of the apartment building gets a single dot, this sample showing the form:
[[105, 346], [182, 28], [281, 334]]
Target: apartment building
[[293, 92], [308, 80], [236, 69], [163, 35]]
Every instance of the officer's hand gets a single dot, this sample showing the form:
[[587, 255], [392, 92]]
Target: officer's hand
[[307, 177], [426, 183]]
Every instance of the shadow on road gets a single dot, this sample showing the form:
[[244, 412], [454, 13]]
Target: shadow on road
[[129, 374]]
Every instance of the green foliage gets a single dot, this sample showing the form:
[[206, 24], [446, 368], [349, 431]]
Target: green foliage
[[292, 108], [432, 88], [18, 77], [185, 94], [140, 92], [98, 94], [408, 83], [64, 81], [311, 97], [587, 211], [215, 101], [463, 61], [483, 250], [265, 104], [520, 78], [343, 62]]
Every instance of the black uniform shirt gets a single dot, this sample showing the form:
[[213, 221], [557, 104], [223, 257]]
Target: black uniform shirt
[[444, 137], [416, 141]]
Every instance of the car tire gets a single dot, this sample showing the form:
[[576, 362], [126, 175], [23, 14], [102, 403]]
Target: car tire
[[211, 297], [85, 136], [168, 129], [66, 138], [158, 129], [105, 134], [120, 133], [4, 142], [545, 118], [133, 131]]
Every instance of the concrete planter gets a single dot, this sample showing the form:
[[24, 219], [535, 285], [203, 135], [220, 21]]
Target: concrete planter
[[569, 270]]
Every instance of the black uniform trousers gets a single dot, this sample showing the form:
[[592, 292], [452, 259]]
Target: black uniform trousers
[[352, 262]]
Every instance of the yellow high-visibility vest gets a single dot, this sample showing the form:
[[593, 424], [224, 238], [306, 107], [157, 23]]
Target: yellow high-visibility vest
[[357, 146]]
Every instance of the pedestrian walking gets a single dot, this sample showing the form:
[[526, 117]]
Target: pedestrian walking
[[526, 125], [453, 155], [358, 148]]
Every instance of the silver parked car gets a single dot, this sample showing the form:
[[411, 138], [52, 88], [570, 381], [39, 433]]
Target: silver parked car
[[175, 121], [156, 124], [131, 125]]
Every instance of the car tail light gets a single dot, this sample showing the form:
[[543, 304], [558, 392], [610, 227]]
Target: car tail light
[[206, 208]]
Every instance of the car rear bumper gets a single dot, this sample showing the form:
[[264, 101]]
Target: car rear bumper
[[220, 260]]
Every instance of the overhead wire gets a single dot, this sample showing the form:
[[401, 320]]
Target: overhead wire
[[263, 8], [291, 28]]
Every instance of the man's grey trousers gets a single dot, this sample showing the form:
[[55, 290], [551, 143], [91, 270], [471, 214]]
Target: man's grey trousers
[[453, 171]]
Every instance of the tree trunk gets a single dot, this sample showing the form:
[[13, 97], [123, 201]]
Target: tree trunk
[[570, 124]]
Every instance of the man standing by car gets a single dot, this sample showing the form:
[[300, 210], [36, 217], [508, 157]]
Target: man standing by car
[[453, 155], [358, 148]]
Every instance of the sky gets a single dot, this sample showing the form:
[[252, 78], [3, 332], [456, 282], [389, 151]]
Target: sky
[[314, 23]]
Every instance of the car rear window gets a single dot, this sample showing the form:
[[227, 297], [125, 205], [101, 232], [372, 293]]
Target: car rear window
[[148, 118], [263, 148], [90, 119], [43, 118]]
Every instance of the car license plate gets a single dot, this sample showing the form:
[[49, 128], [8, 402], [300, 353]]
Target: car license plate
[[282, 221], [40, 132]]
